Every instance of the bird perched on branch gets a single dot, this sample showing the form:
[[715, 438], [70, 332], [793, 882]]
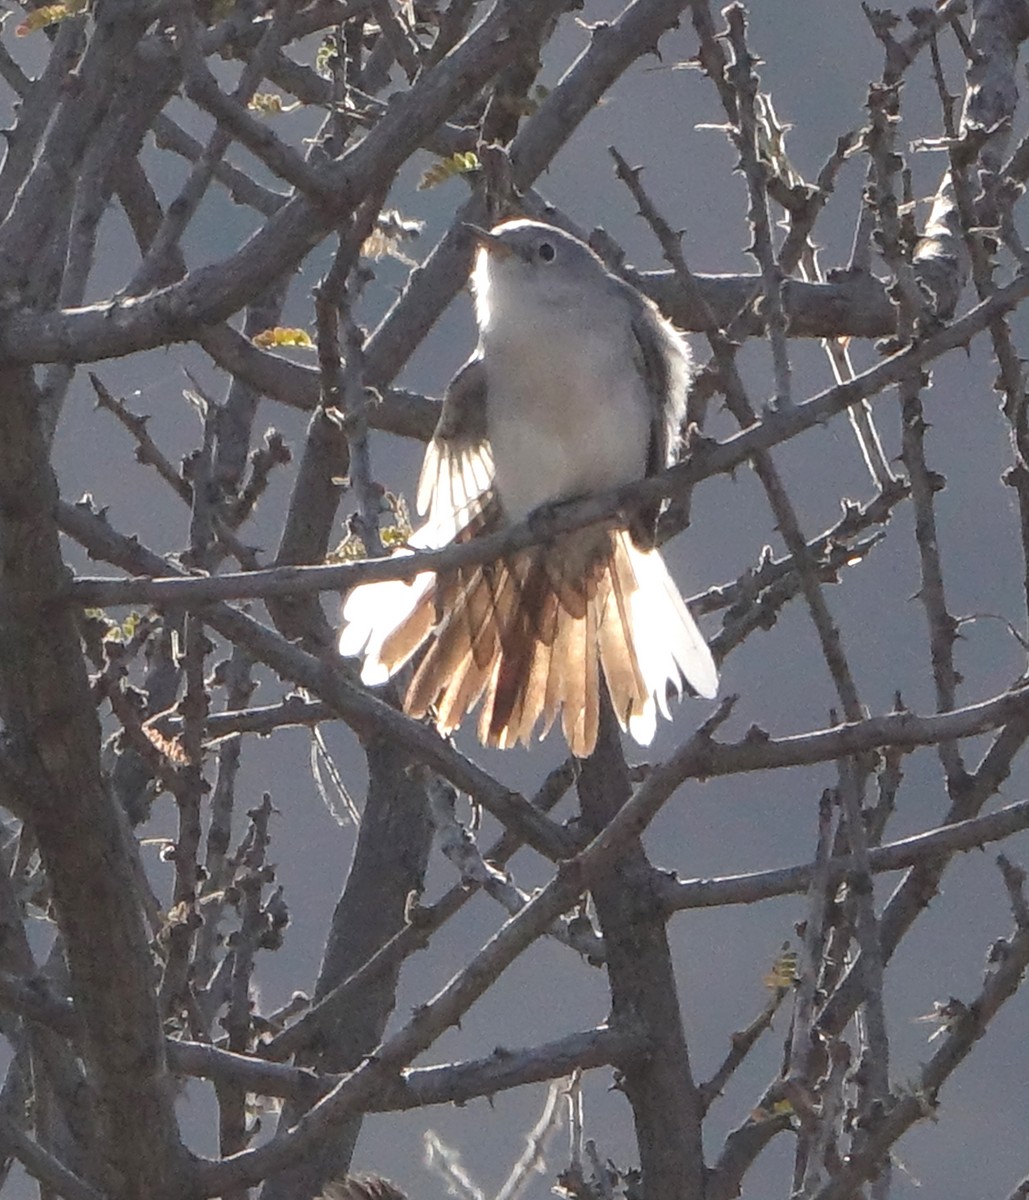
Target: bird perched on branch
[[578, 385]]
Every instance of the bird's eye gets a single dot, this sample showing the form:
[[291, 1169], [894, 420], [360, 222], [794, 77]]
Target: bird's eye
[[546, 251]]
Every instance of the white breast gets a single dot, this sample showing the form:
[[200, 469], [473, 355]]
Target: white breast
[[567, 410]]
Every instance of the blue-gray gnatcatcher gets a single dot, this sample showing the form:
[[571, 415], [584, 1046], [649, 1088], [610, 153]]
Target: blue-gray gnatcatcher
[[578, 385]]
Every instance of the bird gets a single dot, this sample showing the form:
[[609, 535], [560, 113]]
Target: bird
[[578, 385]]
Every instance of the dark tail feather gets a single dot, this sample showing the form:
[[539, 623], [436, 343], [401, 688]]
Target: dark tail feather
[[519, 639]]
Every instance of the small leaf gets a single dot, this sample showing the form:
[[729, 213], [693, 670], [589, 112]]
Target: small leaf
[[281, 335], [462, 163], [783, 971], [171, 748], [391, 231], [781, 1108], [395, 535], [326, 57], [125, 632], [269, 104], [130, 625], [49, 14]]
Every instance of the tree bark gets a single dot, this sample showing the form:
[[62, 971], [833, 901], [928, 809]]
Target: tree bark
[[644, 999], [51, 753]]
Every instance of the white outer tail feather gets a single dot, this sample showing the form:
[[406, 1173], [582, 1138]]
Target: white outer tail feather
[[666, 640], [370, 614]]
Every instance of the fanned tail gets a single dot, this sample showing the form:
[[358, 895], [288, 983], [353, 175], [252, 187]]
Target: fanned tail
[[529, 636], [648, 640]]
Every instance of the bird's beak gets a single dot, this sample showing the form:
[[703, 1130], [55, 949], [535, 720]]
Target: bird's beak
[[489, 241]]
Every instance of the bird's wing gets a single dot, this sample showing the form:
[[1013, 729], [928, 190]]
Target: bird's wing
[[388, 621], [662, 359], [456, 482]]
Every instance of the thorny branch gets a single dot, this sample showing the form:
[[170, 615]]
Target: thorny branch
[[103, 715]]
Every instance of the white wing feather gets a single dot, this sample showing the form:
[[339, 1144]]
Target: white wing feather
[[455, 485]]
